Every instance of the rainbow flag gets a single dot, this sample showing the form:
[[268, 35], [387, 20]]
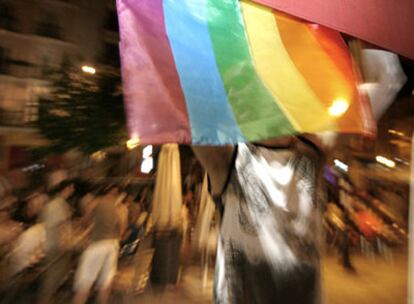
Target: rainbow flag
[[226, 71]]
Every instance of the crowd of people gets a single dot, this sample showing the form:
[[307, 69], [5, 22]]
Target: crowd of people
[[68, 231], [356, 220]]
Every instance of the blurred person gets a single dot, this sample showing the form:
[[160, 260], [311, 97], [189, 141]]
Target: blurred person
[[28, 249], [134, 209], [98, 263], [18, 179], [87, 205], [35, 203], [345, 245], [339, 220], [56, 217], [123, 214], [186, 231], [139, 225], [9, 228], [58, 175], [9, 231], [5, 186], [145, 221], [268, 197]]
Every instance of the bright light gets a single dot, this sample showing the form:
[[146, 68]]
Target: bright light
[[338, 107], [147, 152], [385, 161], [88, 69], [341, 165], [98, 156], [147, 165], [394, 132], [132, 143]]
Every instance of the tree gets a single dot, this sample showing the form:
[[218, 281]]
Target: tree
[[82, 111]]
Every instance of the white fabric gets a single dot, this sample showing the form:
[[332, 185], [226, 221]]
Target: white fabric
[[384, 76], [4, 185], [29, 248], [56, 217], [270, 228], [167, 199], [97, 264], [205, 215]]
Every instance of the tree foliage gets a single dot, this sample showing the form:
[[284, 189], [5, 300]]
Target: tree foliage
[[82, 111]]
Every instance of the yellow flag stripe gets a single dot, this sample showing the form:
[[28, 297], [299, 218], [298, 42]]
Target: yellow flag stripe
[[280, 75]]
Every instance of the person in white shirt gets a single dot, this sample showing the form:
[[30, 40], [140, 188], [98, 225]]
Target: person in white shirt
[[56, 217]]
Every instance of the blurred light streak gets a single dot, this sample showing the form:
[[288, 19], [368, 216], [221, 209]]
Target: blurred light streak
[[132, 143], [341, 165], [385, 161], [88, 69], [394, 132]]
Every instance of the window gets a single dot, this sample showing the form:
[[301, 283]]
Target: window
[[45, 66], [3, 61], [6, 17], [112, 21], [31, 111], [49, 27], [112, 54]]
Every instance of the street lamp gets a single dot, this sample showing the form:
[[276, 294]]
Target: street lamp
[[88, 69]]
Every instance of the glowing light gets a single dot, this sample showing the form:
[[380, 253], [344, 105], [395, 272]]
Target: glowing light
[[132, 143], [88, 69], [147, 152], [98, 156], [147, 165], [341, 165], [394, 132], [385, 161], [338, 107]]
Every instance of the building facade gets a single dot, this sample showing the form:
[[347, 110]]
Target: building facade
[[36, 36]]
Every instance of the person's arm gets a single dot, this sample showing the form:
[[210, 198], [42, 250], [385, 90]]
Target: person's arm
[[216, 161]]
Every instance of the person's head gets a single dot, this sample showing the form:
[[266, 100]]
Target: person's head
[[110, 190], [114, 190], [129, 200], [64, 189]]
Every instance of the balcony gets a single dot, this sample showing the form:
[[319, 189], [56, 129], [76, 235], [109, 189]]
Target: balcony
[[23, 69], [4, 68], [111, 23], [110, 56]]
